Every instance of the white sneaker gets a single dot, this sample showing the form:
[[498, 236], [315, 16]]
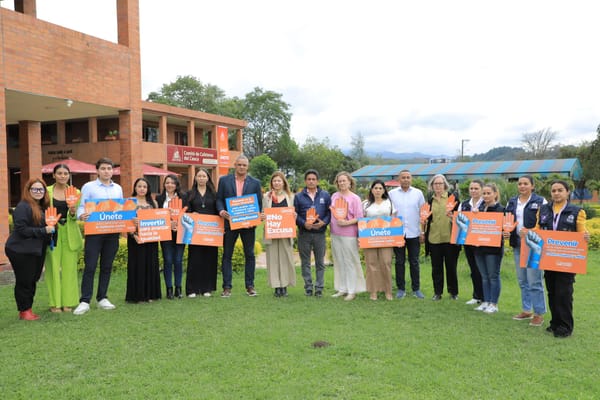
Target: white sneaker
[[491, 309], [338, 294], [207, 294], [192, 295], [106, 305], [473, 301], [82, 308], [482, 306]]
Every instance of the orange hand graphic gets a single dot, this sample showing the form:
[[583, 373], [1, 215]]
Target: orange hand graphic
[[72, 196], [177, 209], [339, 210], [51, 217], [311, 215], [129, 205], [451, 203], [425, 212], [508, 223], [90, 207]]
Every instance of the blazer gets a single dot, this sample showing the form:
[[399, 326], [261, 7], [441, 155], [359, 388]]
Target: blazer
[[27, 238], [227, 189]]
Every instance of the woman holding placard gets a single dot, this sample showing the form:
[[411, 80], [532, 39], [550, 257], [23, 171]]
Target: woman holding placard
[[27, 243], [201, 277], [143, 272], [378, 260], [346, 209], [472, 204], [561, 215], [61, 262], [280, 260]]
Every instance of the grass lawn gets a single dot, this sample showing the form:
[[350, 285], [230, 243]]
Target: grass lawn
[[261, 348]]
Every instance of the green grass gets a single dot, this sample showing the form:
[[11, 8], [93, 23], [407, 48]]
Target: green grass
[[261, 348]]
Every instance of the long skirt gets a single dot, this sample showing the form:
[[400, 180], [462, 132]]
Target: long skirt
[[280, 263], [347, 272], [379, 269]]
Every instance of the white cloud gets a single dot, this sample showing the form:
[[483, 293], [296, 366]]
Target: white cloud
[[409, 75]]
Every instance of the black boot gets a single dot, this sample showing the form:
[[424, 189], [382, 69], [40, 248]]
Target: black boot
[[277, 292], [284, 292], [170, 293], [178, 292]]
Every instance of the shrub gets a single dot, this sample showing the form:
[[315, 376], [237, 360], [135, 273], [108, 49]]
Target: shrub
[[590, 211]]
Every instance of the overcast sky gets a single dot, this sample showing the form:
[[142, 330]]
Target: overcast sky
[[411, 76]]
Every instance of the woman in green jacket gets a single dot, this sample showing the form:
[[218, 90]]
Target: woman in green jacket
[[61, 261]]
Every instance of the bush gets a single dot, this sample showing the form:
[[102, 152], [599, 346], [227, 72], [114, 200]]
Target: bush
[[590, 211]]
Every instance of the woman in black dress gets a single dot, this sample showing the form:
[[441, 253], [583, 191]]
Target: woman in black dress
[[201, 275], [143, 273]]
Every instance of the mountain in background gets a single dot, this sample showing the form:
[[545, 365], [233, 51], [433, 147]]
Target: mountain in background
[[504, 153]]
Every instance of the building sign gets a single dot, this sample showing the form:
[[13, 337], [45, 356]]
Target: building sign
[[223, 147], [191, 155]]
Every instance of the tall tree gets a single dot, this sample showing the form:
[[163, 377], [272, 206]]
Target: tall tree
[[268, 119], [539, 142], [320, 155], [189, 92], [357, 151], [286, 154], [262, 167]]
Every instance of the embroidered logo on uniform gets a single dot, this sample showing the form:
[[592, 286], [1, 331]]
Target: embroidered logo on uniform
[[570, 219], [321, 201], [535, 206]]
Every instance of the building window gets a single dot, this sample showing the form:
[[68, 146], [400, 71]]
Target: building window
[[12, 133], [181, 138], [49, 133], [150, 134], [76, 131]]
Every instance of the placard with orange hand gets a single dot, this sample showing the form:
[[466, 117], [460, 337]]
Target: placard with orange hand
[[477, 229], [508, 222], [385, 231], [451, 203], [110, 216], [311, 215], [554, 251], [425, 212], [176, 207], [51, 217], [339, 209], [72, 196]]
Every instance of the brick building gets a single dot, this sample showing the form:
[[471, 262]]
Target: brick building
[[66, 94]]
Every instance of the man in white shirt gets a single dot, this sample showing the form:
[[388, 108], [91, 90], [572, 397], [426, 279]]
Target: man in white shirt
[[103, 246], [407, 201]]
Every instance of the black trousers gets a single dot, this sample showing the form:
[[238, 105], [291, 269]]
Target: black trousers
[[559, 286], [444, 254], [475, 274], [413, 247], [27, 269], [103, 247]]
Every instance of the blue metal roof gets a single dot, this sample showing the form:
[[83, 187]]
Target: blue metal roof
[[459, 171]]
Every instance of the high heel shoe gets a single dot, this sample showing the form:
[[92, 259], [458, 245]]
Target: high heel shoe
[[170, 293], [178, 293], [28, 315]]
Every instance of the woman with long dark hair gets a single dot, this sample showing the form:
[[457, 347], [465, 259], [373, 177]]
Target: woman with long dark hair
[[172, 251], [143, 273], [473, 204], [26, 245], [201, 277], [61, 262]]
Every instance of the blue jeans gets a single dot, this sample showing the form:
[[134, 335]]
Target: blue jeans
[[248, 237], [489, 267], [173, 261], [532, 288], [413, 247]]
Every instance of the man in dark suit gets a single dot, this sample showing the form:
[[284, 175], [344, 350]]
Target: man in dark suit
[[238, 184]]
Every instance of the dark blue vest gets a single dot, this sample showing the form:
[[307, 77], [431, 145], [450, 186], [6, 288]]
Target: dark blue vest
[[529, 214], [566, 222]]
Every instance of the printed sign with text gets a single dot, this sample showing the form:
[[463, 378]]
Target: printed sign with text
[[385, 231], [477, 229], [554, 251], [244, 211], [200, 229], [154, 225], [280, 222], [110, 216]]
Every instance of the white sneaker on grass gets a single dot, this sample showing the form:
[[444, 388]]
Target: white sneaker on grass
[[106, 305], [192, 295], [482, 307], [473, 301], [491, 309], [82, 308]]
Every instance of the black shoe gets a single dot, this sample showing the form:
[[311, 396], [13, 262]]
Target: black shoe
[[308, 292], [550, 329], [170, 293], [436, 297], [561, 334], [319, 293], [277, 292], [454, 296], [284, 292], [178, 293]]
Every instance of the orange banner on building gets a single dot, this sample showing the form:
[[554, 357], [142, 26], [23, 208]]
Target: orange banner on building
[[200, 229], [110, 216], [223, 149], [477, 229], [154, 225], [280, 222], [554, 251]]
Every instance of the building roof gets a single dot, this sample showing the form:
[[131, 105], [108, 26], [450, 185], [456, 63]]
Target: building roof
[[460, 171]]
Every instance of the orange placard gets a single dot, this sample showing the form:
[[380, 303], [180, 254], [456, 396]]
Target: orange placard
[[110, 216], [153, 225], [477, 229], [425, 212], [451, 203], [385, 231], [200, 229], [280, 222], [339, 209], [51, 217], [223, 149], [311, 215], [72, 196], [508, 222], [554, 251], [176, 207]]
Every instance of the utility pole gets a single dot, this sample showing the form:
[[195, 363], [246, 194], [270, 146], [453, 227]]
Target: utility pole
[[462, 148]]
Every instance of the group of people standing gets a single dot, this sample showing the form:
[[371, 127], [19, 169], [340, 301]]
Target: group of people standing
[[34, 243]]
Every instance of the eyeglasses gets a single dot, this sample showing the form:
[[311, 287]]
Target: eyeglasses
[[438, 183], [37, 190]]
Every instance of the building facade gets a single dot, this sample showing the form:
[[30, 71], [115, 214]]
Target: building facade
[[65, 94]]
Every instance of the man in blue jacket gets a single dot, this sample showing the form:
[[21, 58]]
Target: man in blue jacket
[[238, 184], [311, 235]]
